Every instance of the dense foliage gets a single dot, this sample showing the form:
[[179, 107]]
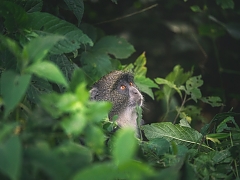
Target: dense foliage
[[50, 130]]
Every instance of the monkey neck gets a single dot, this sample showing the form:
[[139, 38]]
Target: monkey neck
[[128, 118]]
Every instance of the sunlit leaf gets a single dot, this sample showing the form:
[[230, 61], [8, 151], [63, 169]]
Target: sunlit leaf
[[124, 146], [49, 71]]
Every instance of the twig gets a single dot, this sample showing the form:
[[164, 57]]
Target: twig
[[128, 15]]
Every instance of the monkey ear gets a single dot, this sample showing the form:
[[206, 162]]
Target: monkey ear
[[93, 93]]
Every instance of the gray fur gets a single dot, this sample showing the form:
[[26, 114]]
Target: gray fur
[[108, 88]]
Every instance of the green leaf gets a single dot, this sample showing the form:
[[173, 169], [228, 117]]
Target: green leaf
[[178, 76], [11, 45], [74, 123], [124, 146], [13, 88], [66, 66], [158, 146], [118, 47], [96, 62], [105, 170], [211, 30], [39, 47], [11, 158], [95, 144], [49, 71], [44, 23], [77, 78], [214, 101], [179, 134], [223, 125], [161, 81], [74, 155], [195, 8], [14, 15], [77, 7], [192, 87], [30, 5], [145, 85], [45, 161], [140, 69], [38, 87], [225, 4]]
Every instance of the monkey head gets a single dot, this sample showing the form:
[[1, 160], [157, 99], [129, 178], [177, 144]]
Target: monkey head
[[118, 88]]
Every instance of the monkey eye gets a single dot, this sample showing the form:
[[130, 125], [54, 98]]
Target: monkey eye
[[131, 84], [122, 87]]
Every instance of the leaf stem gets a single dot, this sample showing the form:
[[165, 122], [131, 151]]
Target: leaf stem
[[178, 112]]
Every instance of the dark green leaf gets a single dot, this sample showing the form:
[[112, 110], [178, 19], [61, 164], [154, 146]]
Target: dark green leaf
[[211, 30], [45, 24], [96, 62], [14, 15], [13, 88], [223, 125], [118, 47], [77, 7], [30, 5], [225, 4], [38, 87], [11, 157], [67, 67]]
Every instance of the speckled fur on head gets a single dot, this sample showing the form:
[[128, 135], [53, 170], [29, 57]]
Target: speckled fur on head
[[124, 101], [113, 76]]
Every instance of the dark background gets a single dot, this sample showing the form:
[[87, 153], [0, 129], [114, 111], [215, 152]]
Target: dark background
[[171, 33]]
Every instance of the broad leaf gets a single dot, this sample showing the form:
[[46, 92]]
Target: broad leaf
[[44, 23], [13, 88], [96, 62], [30, 5], [11, 158], [179, 134], [37, 87], [14, 15], [67, 67], [118, 47], [49, 71], [77, 7]]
